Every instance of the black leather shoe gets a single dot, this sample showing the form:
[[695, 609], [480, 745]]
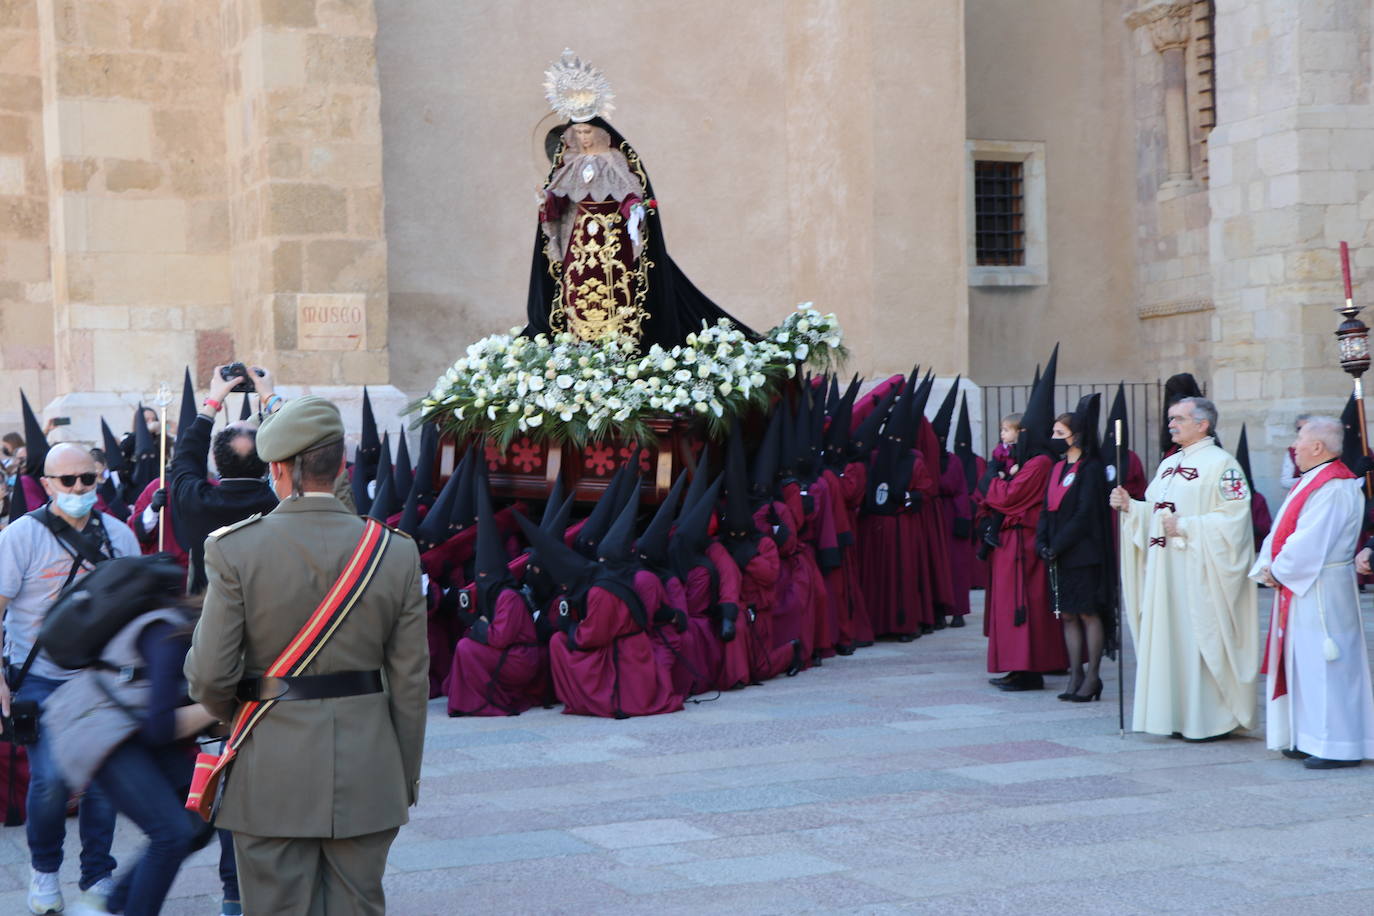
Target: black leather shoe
[[844, 650], [1222, 737], [956, 621], [1004, 679], [1293, 753], [1025, 680], [940, 623], [907, 637], [1323, 763], [797, 661]]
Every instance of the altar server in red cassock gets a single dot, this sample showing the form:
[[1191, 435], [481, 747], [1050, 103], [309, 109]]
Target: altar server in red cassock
[[1024, 639]]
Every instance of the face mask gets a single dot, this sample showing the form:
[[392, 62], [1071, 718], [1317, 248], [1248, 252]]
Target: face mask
[[1059, 447], [77, 505]]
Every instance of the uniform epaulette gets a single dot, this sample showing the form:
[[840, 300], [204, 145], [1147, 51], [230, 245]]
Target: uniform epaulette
[[400, 532], [221, 532]]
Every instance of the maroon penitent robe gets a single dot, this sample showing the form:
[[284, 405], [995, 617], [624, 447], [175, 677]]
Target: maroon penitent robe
[[1023, 634], [498, 668], [734, 661], [957, 520], [758, 585], [606, 667], [800, 595], [666, 637]]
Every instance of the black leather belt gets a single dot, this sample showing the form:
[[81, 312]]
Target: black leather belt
[[310, 686]]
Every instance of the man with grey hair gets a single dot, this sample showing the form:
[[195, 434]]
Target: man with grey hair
[[1319, 700], [1185, 552]]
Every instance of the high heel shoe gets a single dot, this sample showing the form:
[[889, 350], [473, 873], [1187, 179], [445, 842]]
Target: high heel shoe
[[1071, 690], [1088, 697]]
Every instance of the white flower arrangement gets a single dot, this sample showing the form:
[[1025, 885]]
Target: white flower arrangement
[[568, 390]]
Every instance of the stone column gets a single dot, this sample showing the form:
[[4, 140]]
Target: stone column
[[307, 248], [1168, 24], [133, 146]]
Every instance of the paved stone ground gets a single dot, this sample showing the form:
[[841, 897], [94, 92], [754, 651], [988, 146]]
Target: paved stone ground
[[892, 781]]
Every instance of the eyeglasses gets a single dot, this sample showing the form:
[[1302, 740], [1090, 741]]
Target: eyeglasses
[[69, 480]]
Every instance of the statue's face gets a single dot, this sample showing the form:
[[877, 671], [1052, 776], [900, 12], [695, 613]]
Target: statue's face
[[586, 138]]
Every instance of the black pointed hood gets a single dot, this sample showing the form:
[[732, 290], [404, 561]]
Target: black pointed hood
[[358, 484], [841, 422], [1243, 457], [557, 521], [433, 531], [384, 468], [189, 407], [410, 513], [1084, 424], [652, 545], [919, 401], [1118, 412], [145, 457], [403, 470], [739, 518], [19, 502], [1353, 451], [602, 515], [490, 570], [384, 502], [787, 444], [614, 549], [113, 503], [865, 438], [567, 568], [35, 440], [114, 457], [553, 502], [246, 406], [424, 465], [765, 469], [700, 479], [464, 511], [1037, 420], [945, 415], [963, 445], [369, 445], [1178, 387], [693, 526]]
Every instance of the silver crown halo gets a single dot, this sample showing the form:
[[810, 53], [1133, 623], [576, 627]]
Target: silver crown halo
[[577, 90]]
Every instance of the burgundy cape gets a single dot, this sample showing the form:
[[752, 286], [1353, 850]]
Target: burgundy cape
[[820, 537], [148, 541], [609, 669], [668, 648], [957, 512], [935, 574], [497, 667], [855, 627], [892, 567], [799, 596], [758, 587], [1019, 578]]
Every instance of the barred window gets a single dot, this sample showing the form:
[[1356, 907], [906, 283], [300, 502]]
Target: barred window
[[998, 206]]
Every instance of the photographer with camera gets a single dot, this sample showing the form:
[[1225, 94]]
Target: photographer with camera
[[199, 506], [41, 553]]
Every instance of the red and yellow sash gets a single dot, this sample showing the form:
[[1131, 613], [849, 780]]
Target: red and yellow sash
[[1278, 633], [293, 660]]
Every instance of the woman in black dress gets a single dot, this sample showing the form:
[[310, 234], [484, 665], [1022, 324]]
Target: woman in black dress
[[1074, 537]]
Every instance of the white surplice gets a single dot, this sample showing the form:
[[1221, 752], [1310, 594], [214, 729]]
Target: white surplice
[[1329, 708], [1190, 607]]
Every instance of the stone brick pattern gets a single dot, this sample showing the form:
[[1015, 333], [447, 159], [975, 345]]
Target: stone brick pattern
[[26, 328]]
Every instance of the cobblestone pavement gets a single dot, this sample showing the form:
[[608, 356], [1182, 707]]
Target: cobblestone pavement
[[896, 780]]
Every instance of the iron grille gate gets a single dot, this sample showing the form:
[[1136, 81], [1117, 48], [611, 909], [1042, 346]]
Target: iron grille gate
[[1144, 411]]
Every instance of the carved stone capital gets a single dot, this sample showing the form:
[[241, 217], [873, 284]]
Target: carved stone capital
[[1168, 22]]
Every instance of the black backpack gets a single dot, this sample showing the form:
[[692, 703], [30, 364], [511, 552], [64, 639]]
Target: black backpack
[[88, 615]]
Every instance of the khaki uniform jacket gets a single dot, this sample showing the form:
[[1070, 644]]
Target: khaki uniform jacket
[[339, 767]]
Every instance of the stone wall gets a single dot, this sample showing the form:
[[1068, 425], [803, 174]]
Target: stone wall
[[1292, 176], [26, 330], [1071, 100]]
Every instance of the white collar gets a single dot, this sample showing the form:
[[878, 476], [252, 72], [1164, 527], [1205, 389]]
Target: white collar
[[1204, 441]]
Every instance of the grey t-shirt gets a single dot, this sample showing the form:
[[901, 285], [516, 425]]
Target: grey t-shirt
[[34, 566]]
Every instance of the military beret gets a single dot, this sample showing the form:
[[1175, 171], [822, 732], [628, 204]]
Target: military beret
[[300, 425]]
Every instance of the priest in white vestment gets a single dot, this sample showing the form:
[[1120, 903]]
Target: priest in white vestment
[[1186, 550], [1319, 700]]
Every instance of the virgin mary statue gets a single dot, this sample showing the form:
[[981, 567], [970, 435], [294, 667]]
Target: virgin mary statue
[[600, 267]]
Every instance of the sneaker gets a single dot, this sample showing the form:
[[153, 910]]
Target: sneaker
[[95, 898], [45, 892]]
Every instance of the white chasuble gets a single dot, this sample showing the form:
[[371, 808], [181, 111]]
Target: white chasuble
[[1190, 607], [1328, 710]]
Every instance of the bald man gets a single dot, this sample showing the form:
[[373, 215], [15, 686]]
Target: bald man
[[35, 566]]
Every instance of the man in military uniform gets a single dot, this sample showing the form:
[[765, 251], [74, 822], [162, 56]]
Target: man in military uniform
[[319, 789]]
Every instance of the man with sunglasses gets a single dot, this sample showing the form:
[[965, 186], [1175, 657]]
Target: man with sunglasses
[[36, 563]]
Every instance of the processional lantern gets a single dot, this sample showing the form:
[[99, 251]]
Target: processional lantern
[[1352, 337]]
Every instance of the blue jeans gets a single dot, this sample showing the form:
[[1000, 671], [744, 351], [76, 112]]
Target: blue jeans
[[148, 785], [47, 819]]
